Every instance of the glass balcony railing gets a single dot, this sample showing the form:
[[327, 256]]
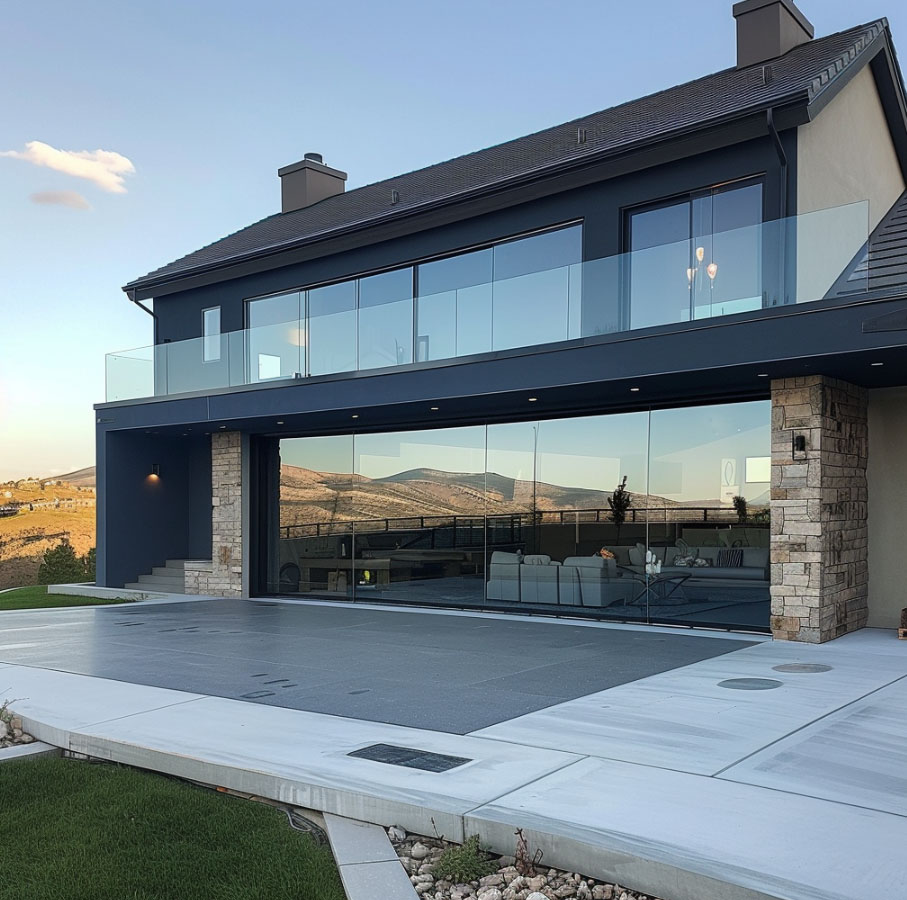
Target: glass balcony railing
[[786, 261]]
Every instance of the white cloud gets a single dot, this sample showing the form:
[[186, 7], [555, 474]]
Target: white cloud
[[72, 199], [103, 167]]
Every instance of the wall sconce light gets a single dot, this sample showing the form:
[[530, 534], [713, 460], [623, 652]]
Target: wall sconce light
[[799, 446], [156, 469]]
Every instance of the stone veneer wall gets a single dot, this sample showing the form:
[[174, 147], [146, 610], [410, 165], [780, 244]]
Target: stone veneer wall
[[222, 575], [819, 540]]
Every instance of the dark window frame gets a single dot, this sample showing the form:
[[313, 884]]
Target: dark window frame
[[627, 212]]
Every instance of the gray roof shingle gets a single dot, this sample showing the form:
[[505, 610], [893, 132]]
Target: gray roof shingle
[[799, 76], [882, 263]]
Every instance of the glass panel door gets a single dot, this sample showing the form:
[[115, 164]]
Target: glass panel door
[[276, 337], [332, 329], [315, 534], [419, 515], [709, 490]]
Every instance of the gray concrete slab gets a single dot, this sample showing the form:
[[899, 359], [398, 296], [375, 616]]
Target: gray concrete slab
[[372, 664], [657, 800], [354, 842], [35, 750], [855, 755], [690, 837], [369, 881]]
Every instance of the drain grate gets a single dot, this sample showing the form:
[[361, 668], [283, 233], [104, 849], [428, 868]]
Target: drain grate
[[410, 757], [803, 667], [750, 684]]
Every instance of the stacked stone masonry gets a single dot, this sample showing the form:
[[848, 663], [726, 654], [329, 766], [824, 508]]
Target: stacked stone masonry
[[222, 575], [819, 539]]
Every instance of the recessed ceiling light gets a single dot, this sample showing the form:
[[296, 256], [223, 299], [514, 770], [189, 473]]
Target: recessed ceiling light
[[762, 375], [877, 364], [434, 408], [222, 427], [355, 416], [280, 421], [634, 390], [533, 399]]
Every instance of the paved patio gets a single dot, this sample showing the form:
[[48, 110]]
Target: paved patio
[[677, 783], [440, 672]]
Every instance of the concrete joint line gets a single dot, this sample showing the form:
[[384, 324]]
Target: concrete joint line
[[832, 712]]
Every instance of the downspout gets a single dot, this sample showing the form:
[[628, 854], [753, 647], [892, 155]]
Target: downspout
[[151, 312], [783, 236]]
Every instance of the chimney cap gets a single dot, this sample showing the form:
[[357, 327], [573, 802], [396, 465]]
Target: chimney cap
[[308, 162], [748, 6]]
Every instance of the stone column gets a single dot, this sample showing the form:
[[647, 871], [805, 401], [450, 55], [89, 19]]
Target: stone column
[[819, 538], [223, 575]]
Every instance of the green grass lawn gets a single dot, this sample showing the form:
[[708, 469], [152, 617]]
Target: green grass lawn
[[86, 831], [38, 598]]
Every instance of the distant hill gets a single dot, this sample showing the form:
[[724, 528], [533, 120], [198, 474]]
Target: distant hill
[[84, 478]]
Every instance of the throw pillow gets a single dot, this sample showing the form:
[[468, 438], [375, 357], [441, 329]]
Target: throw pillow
[[701, 563], [730, 558]]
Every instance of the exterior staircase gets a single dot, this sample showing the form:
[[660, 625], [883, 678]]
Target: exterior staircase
[[169, 578]]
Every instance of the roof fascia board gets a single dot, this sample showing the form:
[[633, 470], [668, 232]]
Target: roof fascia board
[[890, 85], [829, 91], [578, 172]]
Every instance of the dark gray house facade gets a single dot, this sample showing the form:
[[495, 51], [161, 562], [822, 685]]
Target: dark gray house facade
[[645, 366]]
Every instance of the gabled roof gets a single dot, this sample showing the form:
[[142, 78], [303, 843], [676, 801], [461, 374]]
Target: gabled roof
[[801, 76]]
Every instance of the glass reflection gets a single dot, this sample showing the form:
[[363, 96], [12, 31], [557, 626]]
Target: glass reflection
[[317, 506], [709, 494], [386, 319], [537, 289], [652, 517], [332, 329], [276, 337], [419, 516]]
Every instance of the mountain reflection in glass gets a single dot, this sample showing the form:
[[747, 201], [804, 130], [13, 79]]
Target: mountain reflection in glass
[[555, 515]]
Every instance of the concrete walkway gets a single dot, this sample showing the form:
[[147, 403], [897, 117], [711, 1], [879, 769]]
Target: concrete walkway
[[674, 784]]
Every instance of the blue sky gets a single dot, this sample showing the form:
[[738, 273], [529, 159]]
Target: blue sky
[[207, 100]]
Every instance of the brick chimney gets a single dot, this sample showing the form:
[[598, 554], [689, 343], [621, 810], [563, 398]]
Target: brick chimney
[[308, 181], [767, 29]]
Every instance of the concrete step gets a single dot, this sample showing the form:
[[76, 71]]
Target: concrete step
[[154, 588], [181, 563], [162, 581], [168, 571]]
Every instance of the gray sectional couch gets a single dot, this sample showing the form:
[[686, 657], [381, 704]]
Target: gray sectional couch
[[577, 581]]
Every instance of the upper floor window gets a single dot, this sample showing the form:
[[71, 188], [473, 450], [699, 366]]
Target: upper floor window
[[276, 338], [516, 293], [696, 256], [211, 334]]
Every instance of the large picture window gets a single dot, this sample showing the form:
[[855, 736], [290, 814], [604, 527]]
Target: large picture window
[[696, 256], [658, 516]]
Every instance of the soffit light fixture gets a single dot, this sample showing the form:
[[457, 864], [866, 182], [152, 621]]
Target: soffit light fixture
[[634, 390], [533, 399], [877, 364]]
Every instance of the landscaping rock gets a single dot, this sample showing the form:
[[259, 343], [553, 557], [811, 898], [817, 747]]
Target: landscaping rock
[[420, 854], [490, 894]]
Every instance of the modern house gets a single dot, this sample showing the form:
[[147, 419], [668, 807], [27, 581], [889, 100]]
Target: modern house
[[649, 365]]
